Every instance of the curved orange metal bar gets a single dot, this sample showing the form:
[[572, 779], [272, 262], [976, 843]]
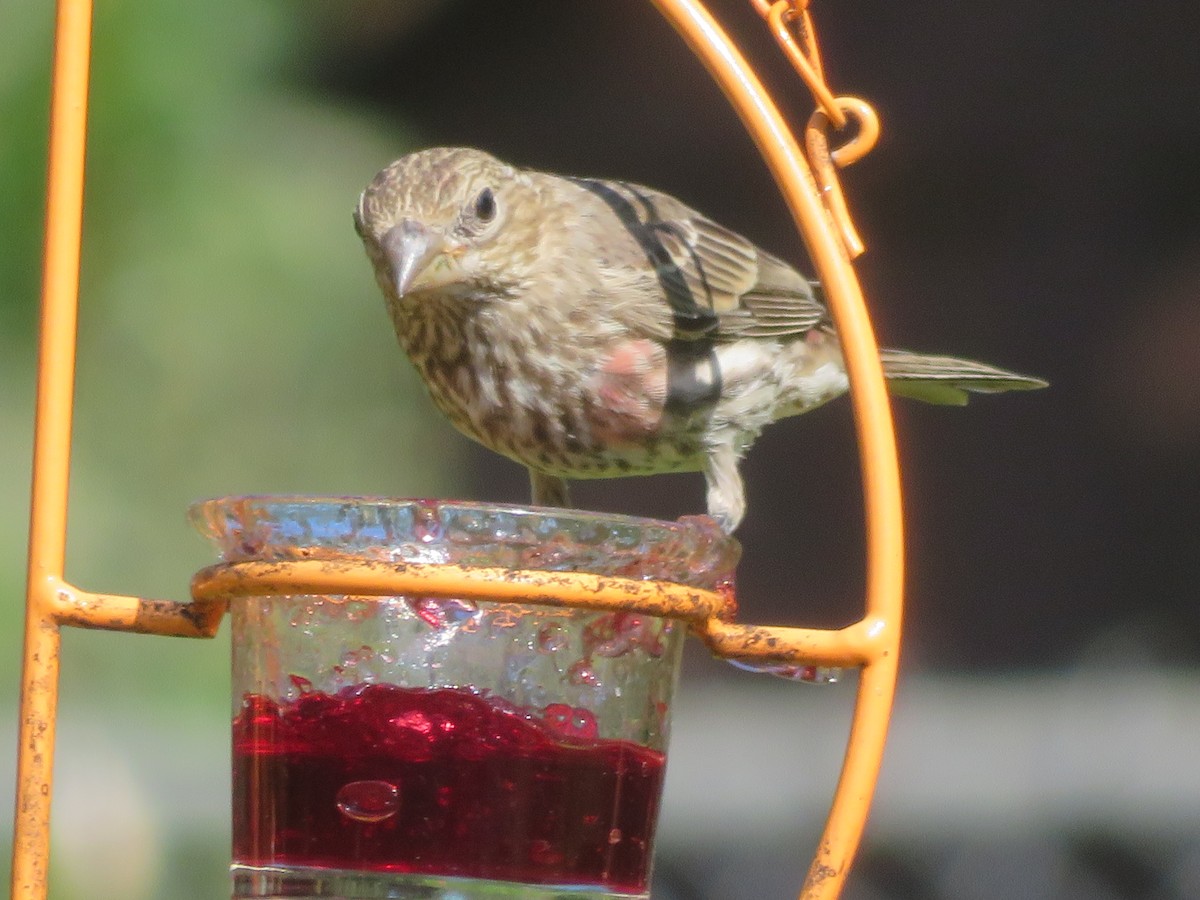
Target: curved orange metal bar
[[877, 444]]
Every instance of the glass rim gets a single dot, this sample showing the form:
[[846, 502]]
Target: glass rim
[[692, 550], [684, 524]]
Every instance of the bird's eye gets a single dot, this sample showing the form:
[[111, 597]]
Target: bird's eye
[[485, 205]]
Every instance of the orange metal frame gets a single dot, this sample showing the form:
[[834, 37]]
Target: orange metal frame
[[809, 186]]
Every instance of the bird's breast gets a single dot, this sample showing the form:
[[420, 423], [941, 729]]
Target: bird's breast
[[579, 408]]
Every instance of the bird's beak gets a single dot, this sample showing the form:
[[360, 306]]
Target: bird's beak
[[411, 248]]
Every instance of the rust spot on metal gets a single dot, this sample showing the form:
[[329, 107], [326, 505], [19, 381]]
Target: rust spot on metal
[[817, 875]]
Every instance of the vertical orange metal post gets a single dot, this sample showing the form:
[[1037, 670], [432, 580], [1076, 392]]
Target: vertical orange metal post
[[52, 447]]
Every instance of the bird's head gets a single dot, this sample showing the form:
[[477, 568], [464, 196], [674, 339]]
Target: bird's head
[[432, 222]]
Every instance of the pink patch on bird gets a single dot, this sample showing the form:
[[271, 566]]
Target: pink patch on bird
[[630, 390]]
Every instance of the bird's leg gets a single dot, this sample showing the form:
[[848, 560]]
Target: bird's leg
[[548, 490], [726, 496]]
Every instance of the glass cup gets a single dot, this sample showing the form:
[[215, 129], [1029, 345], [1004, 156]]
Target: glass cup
[[417, 747]]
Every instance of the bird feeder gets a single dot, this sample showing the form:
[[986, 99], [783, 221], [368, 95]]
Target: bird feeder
[[334, 600]]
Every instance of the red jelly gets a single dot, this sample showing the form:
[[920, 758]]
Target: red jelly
[[441, 782]]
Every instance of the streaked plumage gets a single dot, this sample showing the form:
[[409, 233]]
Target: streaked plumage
[[589, 328]]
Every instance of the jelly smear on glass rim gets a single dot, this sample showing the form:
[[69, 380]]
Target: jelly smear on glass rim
[[441, 782]]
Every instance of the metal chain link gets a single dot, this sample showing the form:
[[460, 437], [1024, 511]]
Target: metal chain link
[[793, 29]]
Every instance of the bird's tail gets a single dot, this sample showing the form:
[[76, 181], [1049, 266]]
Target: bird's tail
[[947, 379]]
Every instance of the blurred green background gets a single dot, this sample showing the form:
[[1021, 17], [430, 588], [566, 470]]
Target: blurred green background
[[231, 340]]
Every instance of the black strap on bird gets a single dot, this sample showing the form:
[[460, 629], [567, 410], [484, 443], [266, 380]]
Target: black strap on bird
[[692, 319]]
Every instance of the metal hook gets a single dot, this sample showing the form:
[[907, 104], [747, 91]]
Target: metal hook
[[826, 162]]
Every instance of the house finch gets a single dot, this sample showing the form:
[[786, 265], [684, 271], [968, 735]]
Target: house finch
[[593, 329]]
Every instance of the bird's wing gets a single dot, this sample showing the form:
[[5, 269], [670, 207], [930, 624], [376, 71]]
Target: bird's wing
[[717, 284]]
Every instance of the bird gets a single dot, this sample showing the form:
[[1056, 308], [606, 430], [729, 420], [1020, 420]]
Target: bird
[[594, 328]]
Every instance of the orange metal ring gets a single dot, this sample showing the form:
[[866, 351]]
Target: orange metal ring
[[708, 612], [864, 139], [364, 577]]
